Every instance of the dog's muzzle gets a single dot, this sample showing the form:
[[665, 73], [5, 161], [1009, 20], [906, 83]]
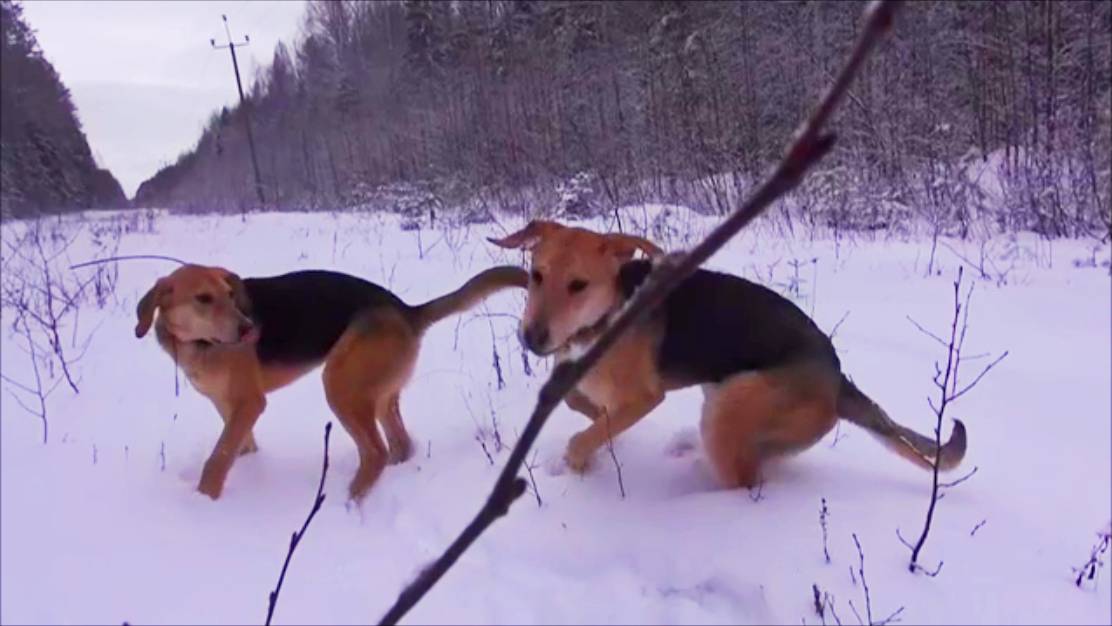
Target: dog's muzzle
[[535, 338]]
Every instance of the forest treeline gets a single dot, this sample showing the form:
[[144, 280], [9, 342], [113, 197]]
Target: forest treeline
[[46, 165], [527, 105]]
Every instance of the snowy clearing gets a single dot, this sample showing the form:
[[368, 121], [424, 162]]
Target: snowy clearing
[[103, 523]]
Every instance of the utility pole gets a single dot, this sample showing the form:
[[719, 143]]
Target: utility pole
[[231, 46]]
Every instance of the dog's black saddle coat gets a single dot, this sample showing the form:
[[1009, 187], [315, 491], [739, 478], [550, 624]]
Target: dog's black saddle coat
[[717, 325], [301, 315]]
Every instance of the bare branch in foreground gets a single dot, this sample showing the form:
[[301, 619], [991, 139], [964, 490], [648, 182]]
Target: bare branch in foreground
[[128, 257], [613, 456], [838, 435], [958, 481], [824, 604], [979, 377], [940, 340], [918, 567], [533, 481], [39, 391], [1088, 571], [479, 437], [823, 514], [810, 144], [834, 331], [946, 380], [296, 538], [894, 617]]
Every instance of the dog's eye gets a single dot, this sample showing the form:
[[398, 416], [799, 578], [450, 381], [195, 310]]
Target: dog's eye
[[576, 286], [204, 298], [536, 276]]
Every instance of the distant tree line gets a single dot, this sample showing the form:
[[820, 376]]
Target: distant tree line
[[45, 162], [505, 104]]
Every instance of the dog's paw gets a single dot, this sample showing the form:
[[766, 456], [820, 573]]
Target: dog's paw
[[210, 488], [578, 455], [576, 460], [212, 478], [578, 464], [400, 452]]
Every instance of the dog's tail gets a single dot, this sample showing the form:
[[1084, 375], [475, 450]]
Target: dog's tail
[[480, 286], [858, 408]]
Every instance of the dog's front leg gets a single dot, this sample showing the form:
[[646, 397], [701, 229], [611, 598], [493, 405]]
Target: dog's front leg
[[239, 418], [580, 403], [608, 425]]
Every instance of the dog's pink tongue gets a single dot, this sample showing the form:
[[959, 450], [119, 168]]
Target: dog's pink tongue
[[250, 336]]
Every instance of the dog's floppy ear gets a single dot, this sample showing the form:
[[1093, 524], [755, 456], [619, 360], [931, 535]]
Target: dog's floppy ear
[[527, 237], [150, 301], [239, 292], [625, 246]]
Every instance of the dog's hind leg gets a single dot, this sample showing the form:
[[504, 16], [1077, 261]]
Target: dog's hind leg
[[401, 446], [364, 370], [755, 416], [728, 432], [357, 414]]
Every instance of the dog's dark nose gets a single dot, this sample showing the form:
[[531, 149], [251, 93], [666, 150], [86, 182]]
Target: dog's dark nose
[[536, 338]]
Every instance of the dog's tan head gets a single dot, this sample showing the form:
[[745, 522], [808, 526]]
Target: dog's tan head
[[198, 303], [573, 279]]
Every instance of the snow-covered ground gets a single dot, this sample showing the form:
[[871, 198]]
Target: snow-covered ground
[[103, 523]]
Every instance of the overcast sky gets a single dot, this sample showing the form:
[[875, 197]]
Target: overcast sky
[[143, 76]]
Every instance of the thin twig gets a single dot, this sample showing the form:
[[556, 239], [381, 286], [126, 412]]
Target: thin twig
[[1088, 571], [613, 456], [272, 600], [828, 600], [834, 331], [958, 481], [38, 391], [916, 566], [868, 598], [946, 382], [533, 481], [174, 350], [838, 435], [808, 147], [861, 575], [913, 565], [823, 514], [820, 607], [129, 257], [479, 437], [855, 613], [979, 377], [824, 604], [941, 341]]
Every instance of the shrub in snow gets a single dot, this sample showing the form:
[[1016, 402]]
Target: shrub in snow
[[576, 197]]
